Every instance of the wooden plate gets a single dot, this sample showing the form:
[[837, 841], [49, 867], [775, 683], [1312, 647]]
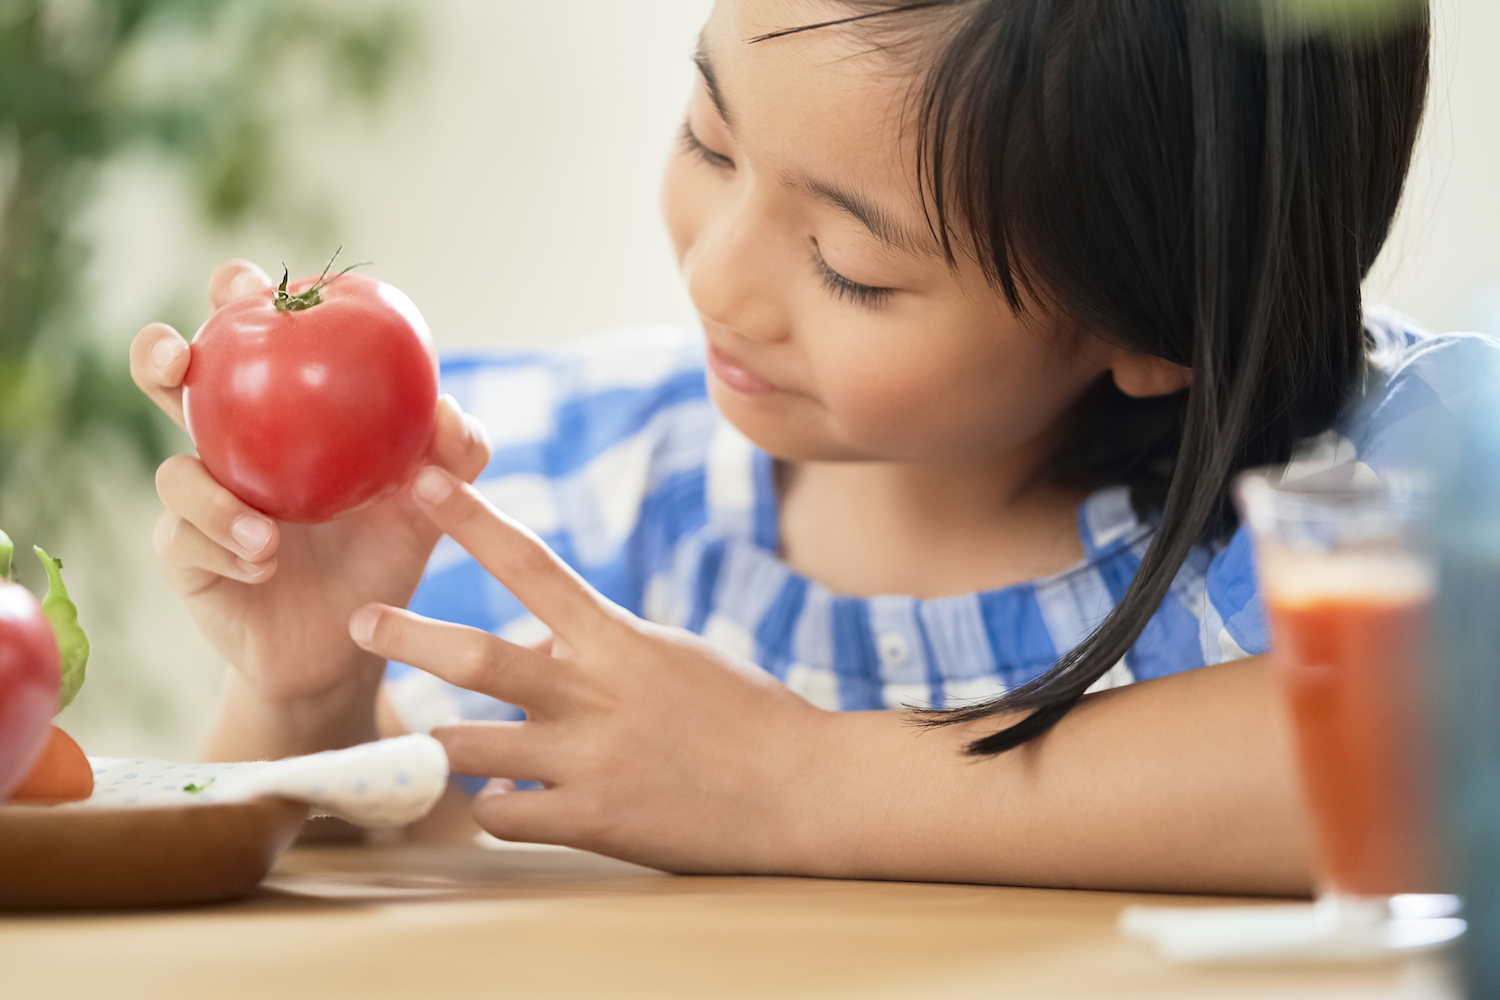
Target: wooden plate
[[60, 858]]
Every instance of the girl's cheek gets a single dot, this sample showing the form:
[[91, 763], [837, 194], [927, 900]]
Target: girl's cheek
[[913, 404], [881, 395]]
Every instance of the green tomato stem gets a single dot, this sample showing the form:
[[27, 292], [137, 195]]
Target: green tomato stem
[[285, 301], [7, 555]]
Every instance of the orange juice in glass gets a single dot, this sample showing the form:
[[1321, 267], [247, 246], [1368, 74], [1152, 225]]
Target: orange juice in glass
[[1348, 590]]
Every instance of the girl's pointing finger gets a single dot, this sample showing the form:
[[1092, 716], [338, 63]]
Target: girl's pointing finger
[[547, 586], [459, 655]]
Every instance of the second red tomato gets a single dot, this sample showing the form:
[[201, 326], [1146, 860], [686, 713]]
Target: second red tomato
[[30, 674]]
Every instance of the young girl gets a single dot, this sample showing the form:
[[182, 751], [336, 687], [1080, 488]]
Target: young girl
[[996, 298]]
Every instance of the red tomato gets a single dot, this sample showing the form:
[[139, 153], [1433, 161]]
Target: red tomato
[[30, 675], [309, 413]]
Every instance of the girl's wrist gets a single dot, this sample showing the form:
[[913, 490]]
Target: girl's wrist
[[255, 724], [866, 810], [827, 813]]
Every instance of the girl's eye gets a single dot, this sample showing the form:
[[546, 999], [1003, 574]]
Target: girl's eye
[[694, 145], [845, 290]]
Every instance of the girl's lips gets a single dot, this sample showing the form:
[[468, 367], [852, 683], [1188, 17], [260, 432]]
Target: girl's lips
[[741, 380]]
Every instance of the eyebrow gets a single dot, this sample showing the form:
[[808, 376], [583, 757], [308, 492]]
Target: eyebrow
[[881, 224]]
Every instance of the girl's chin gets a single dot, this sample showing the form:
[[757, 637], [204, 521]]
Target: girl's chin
[[787, 431]]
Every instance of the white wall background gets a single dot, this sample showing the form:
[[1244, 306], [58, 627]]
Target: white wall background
[[1442, 263], [511, 191]]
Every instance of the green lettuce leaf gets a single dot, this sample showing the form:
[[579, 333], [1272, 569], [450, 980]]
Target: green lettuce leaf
[[72, 643]]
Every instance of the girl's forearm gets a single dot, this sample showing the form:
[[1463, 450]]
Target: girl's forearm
[[1180, 784], [253, 727]]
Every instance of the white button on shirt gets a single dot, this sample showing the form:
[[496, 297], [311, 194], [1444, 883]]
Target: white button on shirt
[[894, 650]]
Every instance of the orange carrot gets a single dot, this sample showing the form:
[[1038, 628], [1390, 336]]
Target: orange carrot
[[61, 774]]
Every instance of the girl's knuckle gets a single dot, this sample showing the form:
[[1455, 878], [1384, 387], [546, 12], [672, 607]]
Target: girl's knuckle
[[224, 510], [531, 559], [389, 632], [466, 513], [474, 661]]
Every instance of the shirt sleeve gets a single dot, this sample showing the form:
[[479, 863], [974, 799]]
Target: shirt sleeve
[[579, 436], [1234, 622], [1418, 385], [1421, 384]]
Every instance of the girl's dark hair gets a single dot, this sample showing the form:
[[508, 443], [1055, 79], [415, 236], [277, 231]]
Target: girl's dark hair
[[1205, 181]]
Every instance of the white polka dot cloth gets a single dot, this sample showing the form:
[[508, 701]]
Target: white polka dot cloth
[[386, 783]]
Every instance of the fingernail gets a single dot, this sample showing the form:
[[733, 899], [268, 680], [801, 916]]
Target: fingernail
[[166, 351], [458, 411], [244, 284], [432, 486], [362, 624], [252, 533]]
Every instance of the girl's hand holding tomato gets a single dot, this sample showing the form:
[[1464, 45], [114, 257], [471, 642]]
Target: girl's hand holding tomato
[[275, 598]]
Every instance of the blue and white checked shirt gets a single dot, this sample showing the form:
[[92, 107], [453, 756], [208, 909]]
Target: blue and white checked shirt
[[610, 450]]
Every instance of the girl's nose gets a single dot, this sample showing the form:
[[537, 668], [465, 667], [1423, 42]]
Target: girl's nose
[[732, 273]]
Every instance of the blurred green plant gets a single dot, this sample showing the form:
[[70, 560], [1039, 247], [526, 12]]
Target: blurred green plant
[[1348, 20], [202, 85]]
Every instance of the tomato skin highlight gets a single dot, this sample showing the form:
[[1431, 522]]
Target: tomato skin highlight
[[30, 677], [309, 414]]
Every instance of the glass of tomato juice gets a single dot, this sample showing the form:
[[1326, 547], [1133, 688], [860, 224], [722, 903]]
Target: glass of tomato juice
[[1348, 589]]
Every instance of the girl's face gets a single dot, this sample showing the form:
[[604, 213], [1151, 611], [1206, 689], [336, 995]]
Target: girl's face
[[836, 330]]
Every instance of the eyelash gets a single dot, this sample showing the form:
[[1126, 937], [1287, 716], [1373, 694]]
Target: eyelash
[[839, 287], [694, 146], [869, 296]]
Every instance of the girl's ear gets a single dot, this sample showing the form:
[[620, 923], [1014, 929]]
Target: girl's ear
[[1142, 375]]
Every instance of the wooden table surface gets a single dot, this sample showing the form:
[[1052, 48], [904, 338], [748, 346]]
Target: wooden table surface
[[410, 921]]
